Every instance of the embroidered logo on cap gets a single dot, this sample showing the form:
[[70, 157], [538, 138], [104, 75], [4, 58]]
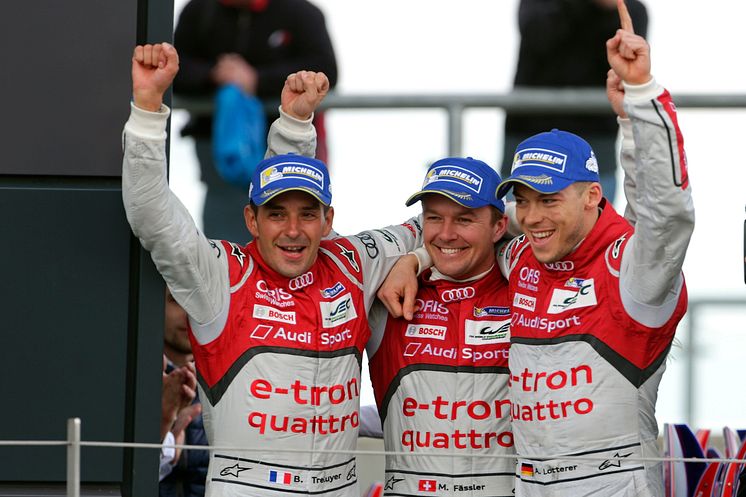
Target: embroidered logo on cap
[[454, 174], [539, 180], [592, 164], [292, 170], [540, 157]]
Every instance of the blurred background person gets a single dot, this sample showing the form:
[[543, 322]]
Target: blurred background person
[[253, 44], [189, 469], [563, 45]]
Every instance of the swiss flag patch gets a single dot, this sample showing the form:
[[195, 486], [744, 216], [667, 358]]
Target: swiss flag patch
[[427, 486]]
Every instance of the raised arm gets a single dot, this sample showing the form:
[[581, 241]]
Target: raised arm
[[293, 132], [663, 211], [189, 263]]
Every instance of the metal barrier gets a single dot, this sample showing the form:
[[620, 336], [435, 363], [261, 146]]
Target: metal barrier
[[694, 323], [539, 100], [74, 443]]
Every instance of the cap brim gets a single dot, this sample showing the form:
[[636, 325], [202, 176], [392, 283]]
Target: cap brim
[[499, 205], [418, 196], [555, 186], [314, 193]]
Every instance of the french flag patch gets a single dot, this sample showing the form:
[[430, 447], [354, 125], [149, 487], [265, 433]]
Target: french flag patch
[[280, 477]]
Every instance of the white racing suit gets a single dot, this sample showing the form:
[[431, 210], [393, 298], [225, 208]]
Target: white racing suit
[[278, 359], [441, 386], [590, 333]]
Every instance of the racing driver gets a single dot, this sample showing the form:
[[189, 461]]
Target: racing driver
[[441, 380], [278, 326], [595, 298]]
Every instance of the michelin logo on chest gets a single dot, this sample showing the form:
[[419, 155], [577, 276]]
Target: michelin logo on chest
[[338, 311], [581, 293]]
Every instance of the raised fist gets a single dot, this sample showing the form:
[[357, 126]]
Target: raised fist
[[303, 92], [153, 70]]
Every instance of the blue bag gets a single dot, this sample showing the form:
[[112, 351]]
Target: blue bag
[[238, 134]]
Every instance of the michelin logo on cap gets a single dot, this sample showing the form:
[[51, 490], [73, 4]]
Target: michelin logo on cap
[[292, 169], [539, 157], [456, 175]]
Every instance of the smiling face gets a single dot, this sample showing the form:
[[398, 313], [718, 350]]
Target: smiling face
[[288, 230], [555, 223], [461, 241]]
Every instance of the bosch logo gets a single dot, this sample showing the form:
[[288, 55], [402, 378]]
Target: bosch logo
[[426, 331], [560, 266], [301, 281], [457, 294]]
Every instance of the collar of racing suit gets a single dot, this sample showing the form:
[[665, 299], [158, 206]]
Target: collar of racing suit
[[609, 227]]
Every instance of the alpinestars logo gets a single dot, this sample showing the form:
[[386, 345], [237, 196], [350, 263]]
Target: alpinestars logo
[[350, 256], [237, 253]]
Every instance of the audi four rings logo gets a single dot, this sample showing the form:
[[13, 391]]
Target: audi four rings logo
[[301, 281], [560, 265], [456, 294]]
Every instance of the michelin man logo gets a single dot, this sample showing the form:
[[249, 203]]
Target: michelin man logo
[[269, 175], [592, 164]]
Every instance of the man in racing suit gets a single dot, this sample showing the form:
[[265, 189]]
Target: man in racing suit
[[441, 380], [595, 298], [278, 326]]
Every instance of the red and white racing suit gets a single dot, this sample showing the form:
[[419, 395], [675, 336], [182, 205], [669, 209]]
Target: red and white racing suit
[[278, 359], [441, 386], [590, 333]]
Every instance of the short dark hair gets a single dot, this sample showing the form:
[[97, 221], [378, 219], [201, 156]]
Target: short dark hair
[[495, 214]]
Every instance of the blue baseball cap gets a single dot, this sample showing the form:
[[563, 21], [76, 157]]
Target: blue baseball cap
[[283, 173], [466, 181], [550, 162]]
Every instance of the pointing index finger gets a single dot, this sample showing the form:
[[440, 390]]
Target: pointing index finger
[[624, 17]]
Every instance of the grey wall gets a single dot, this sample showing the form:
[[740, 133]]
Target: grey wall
[[82, 305], [65, 85]]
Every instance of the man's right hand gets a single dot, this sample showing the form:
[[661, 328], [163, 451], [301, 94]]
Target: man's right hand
[[399, 290], [303, 92], [153, 70]]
